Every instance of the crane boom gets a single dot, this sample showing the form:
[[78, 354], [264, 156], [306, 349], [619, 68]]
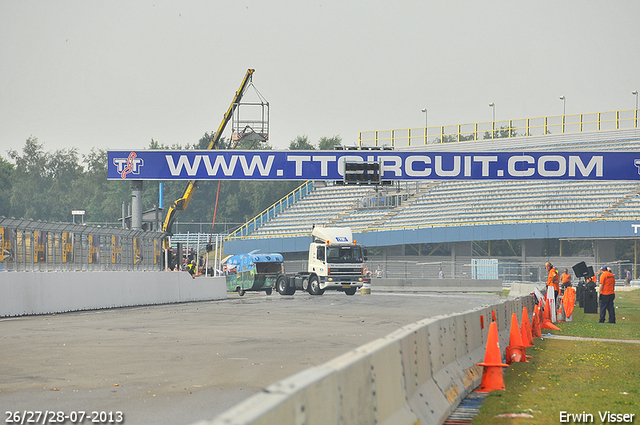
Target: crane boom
[[182, 203]]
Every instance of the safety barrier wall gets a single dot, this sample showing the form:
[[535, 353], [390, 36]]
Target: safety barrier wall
[[437, 285], [58, 292], [417, 374]]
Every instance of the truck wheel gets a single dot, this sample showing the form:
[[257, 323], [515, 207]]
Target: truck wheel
[[281, 285], [314, 286], [268, 291], [241, 292], [350, 291]]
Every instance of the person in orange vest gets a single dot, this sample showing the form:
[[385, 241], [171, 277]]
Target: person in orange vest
[[553, 279], [565, 279], [607, 295]]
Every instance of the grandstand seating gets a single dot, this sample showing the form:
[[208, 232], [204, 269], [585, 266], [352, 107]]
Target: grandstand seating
[[454, 203], [320, 206], [459, 202], [462, 202]]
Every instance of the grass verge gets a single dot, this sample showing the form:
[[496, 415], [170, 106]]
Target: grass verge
[[574, 376]]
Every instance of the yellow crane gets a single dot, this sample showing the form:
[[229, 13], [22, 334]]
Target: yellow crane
[[182, 203]]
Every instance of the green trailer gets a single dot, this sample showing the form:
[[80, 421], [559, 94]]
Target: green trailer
[[253, 272]]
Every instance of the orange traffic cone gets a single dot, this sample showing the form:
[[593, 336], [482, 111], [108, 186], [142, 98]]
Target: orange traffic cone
[[536, 332], [525, 329], [492, 373], [546, 318], [515, 352], [546, 311], [541, 303]]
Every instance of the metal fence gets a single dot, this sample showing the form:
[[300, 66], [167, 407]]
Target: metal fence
[[28, 245], [211, 260], [508, 269], [557, 124]]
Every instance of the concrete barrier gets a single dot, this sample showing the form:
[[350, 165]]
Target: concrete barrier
[[417, 374], [520, 289], [436, 285], [59, 292]]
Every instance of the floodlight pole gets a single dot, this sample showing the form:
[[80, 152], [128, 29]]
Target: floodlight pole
[[563, 98], [635, 93], [426, 125], [493, 123]]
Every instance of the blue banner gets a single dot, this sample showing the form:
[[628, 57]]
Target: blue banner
[[395, 165]]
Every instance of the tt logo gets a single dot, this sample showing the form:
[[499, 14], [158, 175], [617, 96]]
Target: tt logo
[[636, 162], [130, 165]]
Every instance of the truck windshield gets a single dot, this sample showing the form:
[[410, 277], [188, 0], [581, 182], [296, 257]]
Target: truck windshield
[[344, 254]]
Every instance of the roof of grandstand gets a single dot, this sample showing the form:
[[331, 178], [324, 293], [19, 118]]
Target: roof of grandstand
[[454, 211]]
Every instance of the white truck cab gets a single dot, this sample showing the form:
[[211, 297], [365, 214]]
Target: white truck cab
[[335, 260]]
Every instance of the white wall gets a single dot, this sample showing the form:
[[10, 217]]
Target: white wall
[[436, 285], [58, 292]]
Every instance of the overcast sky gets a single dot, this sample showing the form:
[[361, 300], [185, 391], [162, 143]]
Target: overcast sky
[[116, 74]]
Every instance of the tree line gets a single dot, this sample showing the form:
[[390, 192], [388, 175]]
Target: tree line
[[47, 185]]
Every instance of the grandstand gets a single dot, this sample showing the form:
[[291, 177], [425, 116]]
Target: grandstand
[[462, 212]]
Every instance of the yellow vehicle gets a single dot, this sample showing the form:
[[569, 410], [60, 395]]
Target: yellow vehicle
[[182, 203]]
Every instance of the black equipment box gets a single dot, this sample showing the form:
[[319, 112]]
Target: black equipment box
[[590, 299]]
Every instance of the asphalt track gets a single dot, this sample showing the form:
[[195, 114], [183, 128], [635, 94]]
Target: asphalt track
[[180, 363]]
